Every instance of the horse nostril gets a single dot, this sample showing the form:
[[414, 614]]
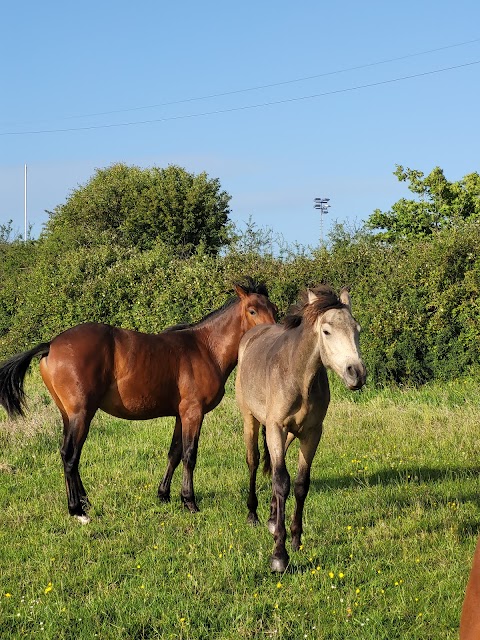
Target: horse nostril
[[355, 376]]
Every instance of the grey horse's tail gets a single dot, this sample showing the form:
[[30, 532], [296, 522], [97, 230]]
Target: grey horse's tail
[[267, 462], [12, 374]]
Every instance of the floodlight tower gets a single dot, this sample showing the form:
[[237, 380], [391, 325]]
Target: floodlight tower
[[322, 205]]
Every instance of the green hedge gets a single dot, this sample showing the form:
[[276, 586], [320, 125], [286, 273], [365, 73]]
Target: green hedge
[[417, 301]]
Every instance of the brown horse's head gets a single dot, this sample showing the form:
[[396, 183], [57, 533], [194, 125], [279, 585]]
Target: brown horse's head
[[256, 308]]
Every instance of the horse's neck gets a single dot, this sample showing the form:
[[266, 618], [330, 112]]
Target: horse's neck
[[306, 362], [222, 335]]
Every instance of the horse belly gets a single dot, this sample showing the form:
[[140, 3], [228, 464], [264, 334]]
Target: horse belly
[[131, 401]]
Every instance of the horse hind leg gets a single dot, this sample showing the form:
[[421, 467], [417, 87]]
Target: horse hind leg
[[251, 428], [75, 433], [174, 458], [77, 408]]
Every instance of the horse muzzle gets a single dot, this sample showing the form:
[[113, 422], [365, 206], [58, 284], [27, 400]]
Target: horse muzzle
[[355, 375]]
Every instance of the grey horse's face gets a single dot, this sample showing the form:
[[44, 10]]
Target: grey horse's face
[[338, 336]]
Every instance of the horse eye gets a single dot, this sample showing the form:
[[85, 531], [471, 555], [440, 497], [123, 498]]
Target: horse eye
[[252, 312], [326, 332]]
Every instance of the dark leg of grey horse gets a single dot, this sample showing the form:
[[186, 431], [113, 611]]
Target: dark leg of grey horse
[[250, 434], [74, 435], [281, 489], [308, 447], [174, 457], [272, 520], [192, 420], [301, 486], [273, 505]]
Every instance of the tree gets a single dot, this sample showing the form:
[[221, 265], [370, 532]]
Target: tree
[[135, 207], [439, 205]]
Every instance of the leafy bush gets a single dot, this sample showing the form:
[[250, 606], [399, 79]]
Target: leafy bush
[[417, 300], [135, 207]]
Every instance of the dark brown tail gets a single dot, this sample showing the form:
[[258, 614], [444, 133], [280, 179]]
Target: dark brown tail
[[12, 374], [267, 461]]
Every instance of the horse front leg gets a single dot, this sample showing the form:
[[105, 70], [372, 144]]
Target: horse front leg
[[192, 419], [273, 504], [308, 447], [280, 490], [174, 457]]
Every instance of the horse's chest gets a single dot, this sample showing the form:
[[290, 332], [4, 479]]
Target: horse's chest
[[306, 414], [306, 410]]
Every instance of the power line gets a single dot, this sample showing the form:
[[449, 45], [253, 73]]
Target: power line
[[272, 84], [244, 108]]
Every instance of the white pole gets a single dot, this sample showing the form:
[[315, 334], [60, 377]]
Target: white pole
[[25, 205]]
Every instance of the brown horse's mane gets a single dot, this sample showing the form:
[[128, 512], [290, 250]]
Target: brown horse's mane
[[303, 310], [249, 285]]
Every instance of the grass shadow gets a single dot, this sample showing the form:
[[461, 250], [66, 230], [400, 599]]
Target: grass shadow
[[388, 477]]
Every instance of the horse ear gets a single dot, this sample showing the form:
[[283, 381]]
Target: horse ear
[[311, 296], [345, 298], [240, 291]]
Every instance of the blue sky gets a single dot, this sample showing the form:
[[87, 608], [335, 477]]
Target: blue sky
[[91, 66]]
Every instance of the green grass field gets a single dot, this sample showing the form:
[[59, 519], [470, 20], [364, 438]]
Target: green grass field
[[391, 522]]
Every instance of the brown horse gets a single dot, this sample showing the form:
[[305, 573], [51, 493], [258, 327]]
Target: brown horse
[[282, 384], [470, 620], [180, 372]]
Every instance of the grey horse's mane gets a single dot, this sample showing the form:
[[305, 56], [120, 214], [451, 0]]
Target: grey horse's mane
[[326, 299]]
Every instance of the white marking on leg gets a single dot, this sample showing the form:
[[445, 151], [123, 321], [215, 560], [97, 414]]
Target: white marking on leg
[[83, 519]]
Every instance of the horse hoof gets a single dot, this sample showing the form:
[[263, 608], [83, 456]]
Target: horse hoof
[[278, 565], [163, 497], [83, 519], [271, 526], [252, 519], [191, 506]]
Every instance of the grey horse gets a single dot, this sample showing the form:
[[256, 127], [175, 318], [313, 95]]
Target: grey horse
[[282, 384]]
